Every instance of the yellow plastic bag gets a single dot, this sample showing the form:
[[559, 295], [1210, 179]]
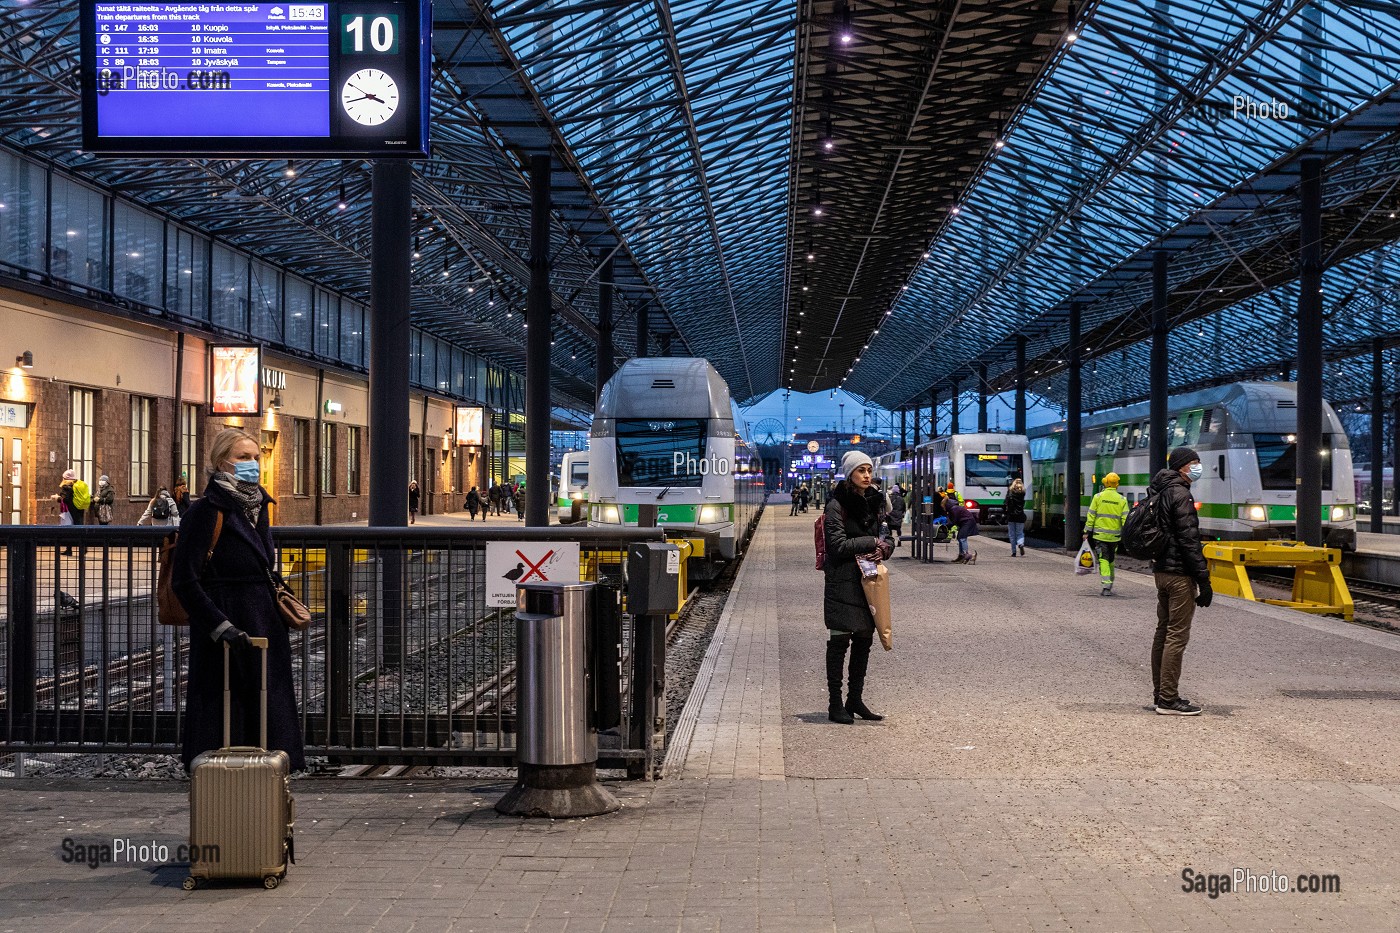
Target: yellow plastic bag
[[877, 594]]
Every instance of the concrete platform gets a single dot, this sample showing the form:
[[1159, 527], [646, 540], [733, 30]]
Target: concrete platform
[[1020, 783]]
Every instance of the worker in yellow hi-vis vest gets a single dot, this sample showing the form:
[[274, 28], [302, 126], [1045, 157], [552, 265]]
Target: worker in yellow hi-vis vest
[[1104, 529]]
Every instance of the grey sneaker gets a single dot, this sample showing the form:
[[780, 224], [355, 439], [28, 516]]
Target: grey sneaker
[[1177, 707]]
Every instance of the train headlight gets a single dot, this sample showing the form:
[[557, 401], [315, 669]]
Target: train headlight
[[606, 514], [713, 514], [1339, 513], [1256, 513]]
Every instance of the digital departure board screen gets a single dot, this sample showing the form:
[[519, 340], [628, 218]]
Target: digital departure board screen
[[340, 78]]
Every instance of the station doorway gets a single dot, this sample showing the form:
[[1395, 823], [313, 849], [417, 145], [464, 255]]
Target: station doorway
[[268, 468]]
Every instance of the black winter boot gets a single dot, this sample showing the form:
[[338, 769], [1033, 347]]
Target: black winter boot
[[835, 661], [860, 659]]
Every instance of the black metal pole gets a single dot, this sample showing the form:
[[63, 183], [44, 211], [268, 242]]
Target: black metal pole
[[175, 458], [1073, 403], [918, 423], [537, 362], [1157, 368], [665, 339], [603, 368], [1310, 355], [903, 435], [1377, 436], [643, 328], [955, 401], [391, 244], [1020, 427], [982, 398]]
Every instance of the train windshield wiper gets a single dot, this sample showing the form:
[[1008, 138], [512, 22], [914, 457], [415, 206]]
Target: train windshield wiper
[[663, 492]]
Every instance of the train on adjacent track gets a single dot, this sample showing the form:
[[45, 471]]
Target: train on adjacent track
[[663, 447], [572, 499], [1245, 434]]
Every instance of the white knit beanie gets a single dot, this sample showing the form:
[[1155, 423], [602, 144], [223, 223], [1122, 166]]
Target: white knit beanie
[[852, 459]]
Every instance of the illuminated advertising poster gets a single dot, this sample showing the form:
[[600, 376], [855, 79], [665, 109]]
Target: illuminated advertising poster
[[469, 427], [237, 386]]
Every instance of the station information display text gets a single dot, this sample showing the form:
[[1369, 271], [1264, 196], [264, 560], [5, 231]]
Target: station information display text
[[337, 78]]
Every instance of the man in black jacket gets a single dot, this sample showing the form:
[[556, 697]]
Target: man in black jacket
[[1183, 579]]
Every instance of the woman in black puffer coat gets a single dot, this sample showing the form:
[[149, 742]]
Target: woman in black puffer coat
[[853, 527]]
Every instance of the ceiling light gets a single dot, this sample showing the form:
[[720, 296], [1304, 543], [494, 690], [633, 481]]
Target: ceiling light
[[817, 211], [291, 169], [812, 257], [829, 145], [925, 255], [1000, 144]]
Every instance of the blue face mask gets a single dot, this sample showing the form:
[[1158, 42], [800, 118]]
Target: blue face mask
[[1194, 473], [247, 471]]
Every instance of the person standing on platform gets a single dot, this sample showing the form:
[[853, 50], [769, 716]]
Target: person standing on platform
[[161, 511], [804, 497], [1182, 577], [414, 497], [70, 499], [795, 498], [474, 503], [897, 508], [493, 498], [852, 528], [1016, 517], [229, 597], [1108, 510], [105, 499], [182, 494]]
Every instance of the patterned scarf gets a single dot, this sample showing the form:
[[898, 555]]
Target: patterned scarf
[[248, 495]]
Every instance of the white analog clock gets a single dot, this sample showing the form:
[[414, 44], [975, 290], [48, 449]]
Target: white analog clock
[[370, 97]]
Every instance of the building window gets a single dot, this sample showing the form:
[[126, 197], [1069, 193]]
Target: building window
[[81, 403], [141, 446], [301, 451], [328, 459], [189, 445], [352, 460]]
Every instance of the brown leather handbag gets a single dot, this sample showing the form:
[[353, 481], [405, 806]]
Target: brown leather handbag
[[293, 611], [169, 610]]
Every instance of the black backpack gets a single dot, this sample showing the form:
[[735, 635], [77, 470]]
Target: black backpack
[[1145, 533], [161, 509]]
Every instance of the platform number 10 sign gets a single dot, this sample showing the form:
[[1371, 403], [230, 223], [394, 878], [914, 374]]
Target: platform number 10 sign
[[360, 33]]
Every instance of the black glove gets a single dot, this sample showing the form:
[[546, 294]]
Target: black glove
[[236, 638], [1204, 593]]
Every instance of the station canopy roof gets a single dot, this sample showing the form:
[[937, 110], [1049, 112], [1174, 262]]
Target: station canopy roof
[[881, 195]]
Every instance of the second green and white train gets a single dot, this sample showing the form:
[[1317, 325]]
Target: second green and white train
[[1245, 434]]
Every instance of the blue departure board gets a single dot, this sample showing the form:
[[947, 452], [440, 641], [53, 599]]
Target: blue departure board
[[343, 77]]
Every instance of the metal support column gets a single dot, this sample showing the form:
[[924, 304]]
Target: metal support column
[[391, 245], [1377, 436], [982, 398], [665, 338], [603, 368], [643, 328], [1310, 463], [903, 435], [955, 400], [1020, 424], [1157, 368], [537, 362], [1074, 403]]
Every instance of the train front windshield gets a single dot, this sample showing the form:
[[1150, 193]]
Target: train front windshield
[[994, 471], [660, 453], [1278, 461], [578, 474]]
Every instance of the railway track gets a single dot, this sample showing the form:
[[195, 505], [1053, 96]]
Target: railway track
[[1377, 604]]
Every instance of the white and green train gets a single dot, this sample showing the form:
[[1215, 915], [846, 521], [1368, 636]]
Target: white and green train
[[572, 498], [663, 439], [1246, 436]]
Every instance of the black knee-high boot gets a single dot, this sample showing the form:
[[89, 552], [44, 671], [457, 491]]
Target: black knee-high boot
[[860, 659], [835, 662]]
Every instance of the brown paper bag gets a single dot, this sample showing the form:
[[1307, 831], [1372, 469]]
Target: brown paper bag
[[877, 594]]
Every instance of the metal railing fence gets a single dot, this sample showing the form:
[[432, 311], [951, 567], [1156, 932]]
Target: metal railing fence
[[403, 663]]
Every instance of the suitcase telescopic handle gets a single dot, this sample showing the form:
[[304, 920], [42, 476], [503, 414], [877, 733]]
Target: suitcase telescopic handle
[[262, 696]]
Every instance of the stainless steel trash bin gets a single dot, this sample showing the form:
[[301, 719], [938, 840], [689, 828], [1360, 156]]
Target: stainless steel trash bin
[[552, 653], [556, 737]]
